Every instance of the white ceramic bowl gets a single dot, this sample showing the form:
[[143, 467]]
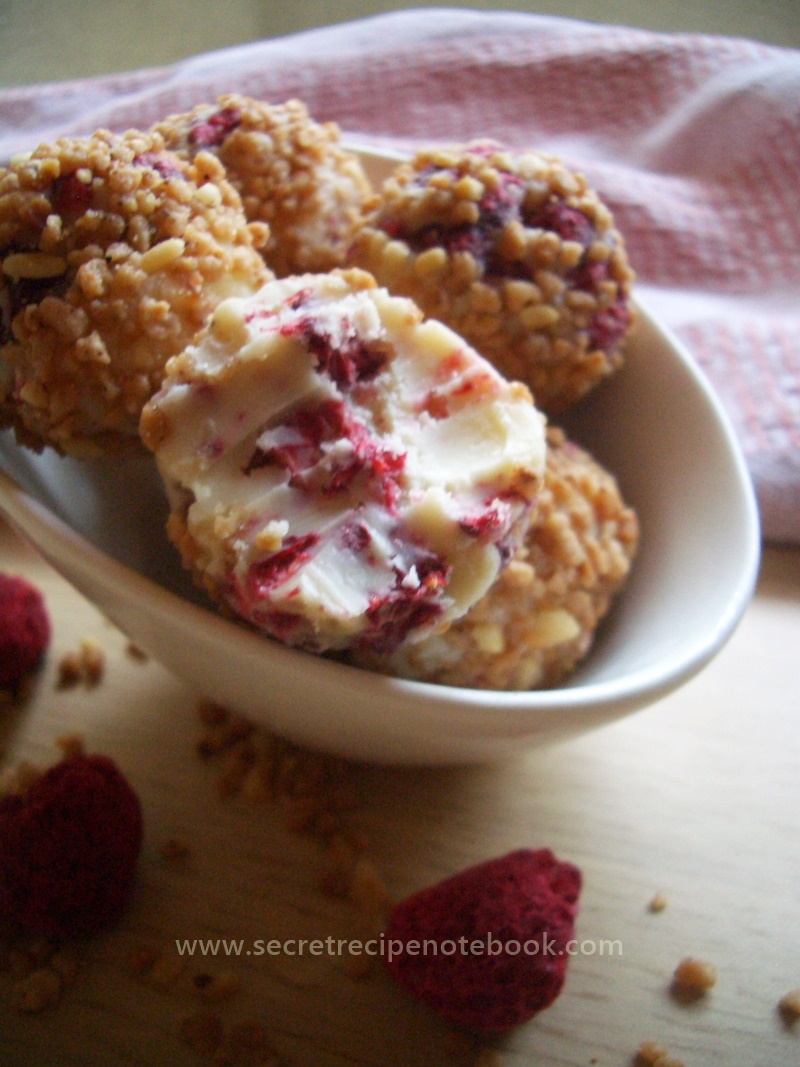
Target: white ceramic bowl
[[656, 424]]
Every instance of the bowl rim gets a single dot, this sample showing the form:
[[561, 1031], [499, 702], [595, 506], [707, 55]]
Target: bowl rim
[[69, 550]]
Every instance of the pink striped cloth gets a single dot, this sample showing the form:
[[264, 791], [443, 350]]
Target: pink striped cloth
[[694, 141]]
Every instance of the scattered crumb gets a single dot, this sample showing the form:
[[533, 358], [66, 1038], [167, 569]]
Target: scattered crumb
[[246, 1041], [93, 660], [650, 1051], [86, 665], [658, 903], [651, 1054], [70, 745], [694, 976], [789, 1006], [19, 778], [69, 670], [136, 653], [39, 970], [316, 796]]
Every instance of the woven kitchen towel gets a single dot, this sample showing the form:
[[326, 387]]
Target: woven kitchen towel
[[694, 142]]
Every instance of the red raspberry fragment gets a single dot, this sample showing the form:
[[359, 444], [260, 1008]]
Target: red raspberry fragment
[[24, 629], [215, 129], [488, 947], [68, 849]]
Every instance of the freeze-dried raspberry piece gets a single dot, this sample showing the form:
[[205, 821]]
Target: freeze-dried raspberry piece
[[68, 849], [346, 475], [540, 618], [71, 196], [488, 947], [24, 629], [212, 130]]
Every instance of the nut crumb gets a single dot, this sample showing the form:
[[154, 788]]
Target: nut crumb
[[87, 665], [93, 660], [70, 745], [69, 670], [20, 778], [789, 1005], [651, 1054], [136, 653], [693, 976], [658, 903]]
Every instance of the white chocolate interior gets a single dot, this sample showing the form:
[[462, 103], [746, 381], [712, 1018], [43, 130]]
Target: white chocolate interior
[[465, 453]]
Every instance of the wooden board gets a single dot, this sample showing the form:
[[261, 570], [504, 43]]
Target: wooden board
[[696, 798]]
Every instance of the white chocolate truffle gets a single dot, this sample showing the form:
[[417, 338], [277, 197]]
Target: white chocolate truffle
[[113, 253], [291, 171], [344, 473], [539, 620]]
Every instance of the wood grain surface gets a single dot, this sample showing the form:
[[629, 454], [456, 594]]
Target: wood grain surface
[[696, 799]]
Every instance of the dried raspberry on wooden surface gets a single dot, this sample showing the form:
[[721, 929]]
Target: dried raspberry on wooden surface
[[68, 849], [488, 947], [24, 629]]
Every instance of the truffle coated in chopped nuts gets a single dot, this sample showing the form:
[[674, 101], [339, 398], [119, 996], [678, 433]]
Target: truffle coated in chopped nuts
[[113, 252], [515, 252], [538, 620], [291, 171], [343, 471]]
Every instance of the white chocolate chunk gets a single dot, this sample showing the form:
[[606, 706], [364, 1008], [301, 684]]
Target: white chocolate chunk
[[344, 473]]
